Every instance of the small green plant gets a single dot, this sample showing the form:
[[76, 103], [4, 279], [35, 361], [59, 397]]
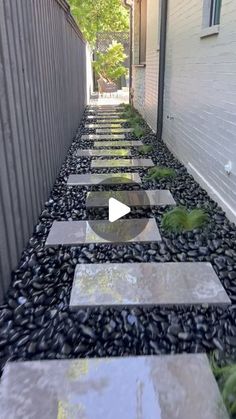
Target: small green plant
[[129, 113], [180, 219], [145, 149], [138, 131], [135, 120], [127, 107], [157, 173], [226, 377]]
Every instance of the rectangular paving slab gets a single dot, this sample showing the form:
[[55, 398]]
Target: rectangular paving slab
[[102, 137], [108, 119], [79, 232], [142, 198], [122, 163], [147, 284], [113, 130], [98, 153], [109, 125], [139, 387], [106, 114], [107, 110], [107, 179], [118, 143]]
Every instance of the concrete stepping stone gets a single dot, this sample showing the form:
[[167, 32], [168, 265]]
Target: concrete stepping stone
[[105, 179], [143, 198], [109, 119], [98, 137], [100, 110], [118, 143], [113, 130], [99, 153], [106, 107], [93, 126], [108, 113], [70, 233], [147, 284], [96, 164], [147, 387]]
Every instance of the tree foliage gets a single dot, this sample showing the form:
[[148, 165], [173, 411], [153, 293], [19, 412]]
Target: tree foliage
[[99, 16], [109, 65]]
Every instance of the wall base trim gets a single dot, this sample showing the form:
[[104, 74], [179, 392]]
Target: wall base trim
[[230, 212], [216, 196]]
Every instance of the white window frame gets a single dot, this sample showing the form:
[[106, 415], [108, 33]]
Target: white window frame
[[211, 17]]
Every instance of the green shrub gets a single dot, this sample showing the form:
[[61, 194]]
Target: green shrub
[[129, 113], [180, 219], [136, 120], [127, 107], [227, 382], [138, 131], [145, 149], [156, 173]]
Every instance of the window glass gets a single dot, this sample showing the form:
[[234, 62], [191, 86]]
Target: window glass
[[143, 31]]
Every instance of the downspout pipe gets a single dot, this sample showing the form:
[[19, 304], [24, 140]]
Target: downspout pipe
[[129, 4], [162, 60]]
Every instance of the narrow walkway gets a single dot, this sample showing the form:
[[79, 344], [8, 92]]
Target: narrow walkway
[[84, 289]]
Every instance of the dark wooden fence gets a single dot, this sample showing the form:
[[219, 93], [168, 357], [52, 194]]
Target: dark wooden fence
[[42, 98]]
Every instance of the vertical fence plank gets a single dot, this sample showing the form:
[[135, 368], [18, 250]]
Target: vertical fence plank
[[42, 98]]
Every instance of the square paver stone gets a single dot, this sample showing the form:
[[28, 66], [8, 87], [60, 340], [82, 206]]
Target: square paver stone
[[102, 137], [147, 284], [96, 164], [93, 231], [113, 130], [99, 153], [105, 179], [141, 387], [142, 198], [119, 143]]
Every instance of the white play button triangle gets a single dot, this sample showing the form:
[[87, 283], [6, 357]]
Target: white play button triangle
[[117, 210]]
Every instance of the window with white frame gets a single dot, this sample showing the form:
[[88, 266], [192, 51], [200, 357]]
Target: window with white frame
[[142, 30], [211, 13], [215, 7]]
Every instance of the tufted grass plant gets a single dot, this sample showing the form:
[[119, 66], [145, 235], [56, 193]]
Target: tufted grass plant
[[157, 173], [226, 377], [138, 131], [180, 219], [145, 149]]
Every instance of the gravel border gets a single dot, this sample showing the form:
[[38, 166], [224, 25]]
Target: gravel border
[[35, 321]]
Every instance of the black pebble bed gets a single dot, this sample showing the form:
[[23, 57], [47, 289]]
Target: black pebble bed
[[36, 322]]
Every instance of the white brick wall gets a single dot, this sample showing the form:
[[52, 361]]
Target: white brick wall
[[139, 89], [200, 93], [145, 79]]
